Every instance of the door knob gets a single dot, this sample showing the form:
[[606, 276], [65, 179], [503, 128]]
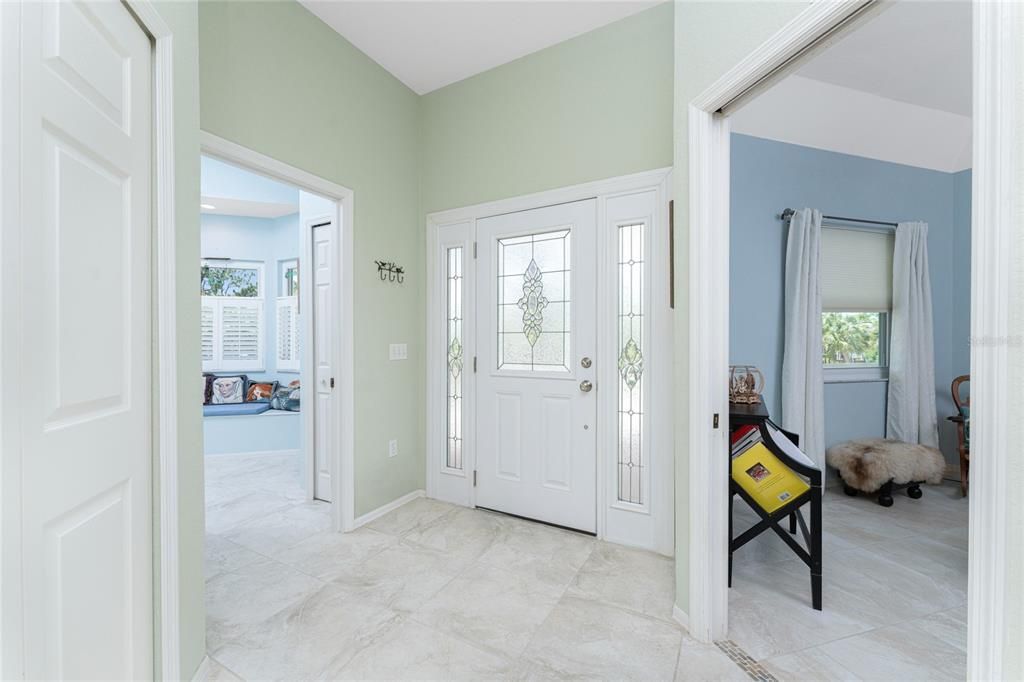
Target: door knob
[[586, 386]]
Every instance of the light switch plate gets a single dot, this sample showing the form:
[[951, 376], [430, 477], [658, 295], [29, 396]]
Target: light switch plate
[[392, 448], [398, 351]]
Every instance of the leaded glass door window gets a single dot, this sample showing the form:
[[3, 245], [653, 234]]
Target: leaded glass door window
[[533, 282]]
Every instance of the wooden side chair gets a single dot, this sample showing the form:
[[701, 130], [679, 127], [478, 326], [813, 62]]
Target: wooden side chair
[[963, 427]]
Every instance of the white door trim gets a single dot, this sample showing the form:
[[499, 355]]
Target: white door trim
[[343, 509], [997, 236], [998, 117], [458, 488]]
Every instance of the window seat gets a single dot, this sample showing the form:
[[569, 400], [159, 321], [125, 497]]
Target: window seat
[[256, 429], [235, 409]]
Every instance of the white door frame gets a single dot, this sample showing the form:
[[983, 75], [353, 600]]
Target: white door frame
[[343, 464], [998, 119], [457, 486]]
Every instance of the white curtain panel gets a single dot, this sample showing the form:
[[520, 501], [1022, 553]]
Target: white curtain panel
[[911, 413], [803, 388]]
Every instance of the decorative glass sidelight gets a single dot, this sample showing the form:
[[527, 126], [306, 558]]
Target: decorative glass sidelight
[[631, 310], [533, 302], [454, 316]]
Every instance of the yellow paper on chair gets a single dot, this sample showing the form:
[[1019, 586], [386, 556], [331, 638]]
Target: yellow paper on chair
[[766, 479]]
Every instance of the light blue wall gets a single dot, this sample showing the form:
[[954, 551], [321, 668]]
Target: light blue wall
[[269, 240], [962, 273], [768, 176], [221, 179]]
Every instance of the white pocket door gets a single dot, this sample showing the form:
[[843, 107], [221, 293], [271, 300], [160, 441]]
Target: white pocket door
[[84, 322]]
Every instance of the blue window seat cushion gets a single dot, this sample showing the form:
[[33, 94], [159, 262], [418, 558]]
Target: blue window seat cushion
[[231, 409]]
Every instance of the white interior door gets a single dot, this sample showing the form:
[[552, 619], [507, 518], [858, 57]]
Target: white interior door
[[536, 403], [86, 335], [323, 335]]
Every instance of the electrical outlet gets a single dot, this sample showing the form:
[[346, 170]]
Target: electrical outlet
[[392, 448], [398, 351]]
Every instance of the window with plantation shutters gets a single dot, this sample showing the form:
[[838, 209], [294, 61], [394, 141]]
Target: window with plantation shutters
[[231, 316], [287, 334]]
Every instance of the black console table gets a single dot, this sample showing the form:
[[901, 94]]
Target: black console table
[[756, 414]]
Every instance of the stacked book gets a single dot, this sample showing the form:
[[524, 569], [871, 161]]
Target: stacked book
[[763, 476]]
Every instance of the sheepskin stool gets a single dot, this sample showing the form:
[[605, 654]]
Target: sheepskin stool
[[875, 465]]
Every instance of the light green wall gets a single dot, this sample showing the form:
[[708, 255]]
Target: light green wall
[[710, 38], [276, 79], [594, 107]]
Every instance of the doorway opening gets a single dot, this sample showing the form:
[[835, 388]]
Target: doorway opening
[[848, 275], [275, 305]]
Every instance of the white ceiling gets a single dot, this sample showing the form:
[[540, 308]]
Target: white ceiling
[[428, 45], [245, 207], [897, 88], [913, 52]]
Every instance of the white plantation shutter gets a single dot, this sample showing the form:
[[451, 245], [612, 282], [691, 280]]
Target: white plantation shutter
[[206, 328], [240, 333], [231, 326], [287, 334]]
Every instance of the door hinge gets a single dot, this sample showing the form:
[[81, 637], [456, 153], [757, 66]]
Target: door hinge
[[474, 364], [474, 478], [715, 421], [474, 249], [332, 382]]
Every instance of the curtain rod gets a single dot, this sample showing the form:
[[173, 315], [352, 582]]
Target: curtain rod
[[788, 213]]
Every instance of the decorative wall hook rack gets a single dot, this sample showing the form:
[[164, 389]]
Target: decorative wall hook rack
[[389, 272]]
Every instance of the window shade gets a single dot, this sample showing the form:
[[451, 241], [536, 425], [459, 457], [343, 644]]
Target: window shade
[[856, 270]]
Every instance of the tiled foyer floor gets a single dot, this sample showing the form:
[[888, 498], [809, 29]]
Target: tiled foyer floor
[[429, 591], [895, 593], [433, 591]]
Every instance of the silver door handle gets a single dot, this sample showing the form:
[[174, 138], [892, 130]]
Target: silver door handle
[[586, 386]]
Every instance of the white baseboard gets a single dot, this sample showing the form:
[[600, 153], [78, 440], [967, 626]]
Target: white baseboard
[[256, 453], [202, 673], [681, 617], [390, 506]]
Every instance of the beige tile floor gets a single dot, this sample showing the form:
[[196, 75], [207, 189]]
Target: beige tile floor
[[433, 591], [429, 591], [895, 593]]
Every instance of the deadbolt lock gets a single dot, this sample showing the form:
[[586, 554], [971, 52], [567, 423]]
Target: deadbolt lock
[[585, 363]]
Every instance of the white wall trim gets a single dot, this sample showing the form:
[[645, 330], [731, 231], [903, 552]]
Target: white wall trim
[[390, 506], [342, 471], [994, 596], [458, 489], [681, 617], [256, 453], [202, 673], [998, 176], [166, 391]]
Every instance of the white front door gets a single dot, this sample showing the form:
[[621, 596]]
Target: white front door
[[323, 334], [85, 325], [536, 403]]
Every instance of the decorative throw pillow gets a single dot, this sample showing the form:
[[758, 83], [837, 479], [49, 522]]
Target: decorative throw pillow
[[207, 388], [260, 391], [286, 398], [227, 390]]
